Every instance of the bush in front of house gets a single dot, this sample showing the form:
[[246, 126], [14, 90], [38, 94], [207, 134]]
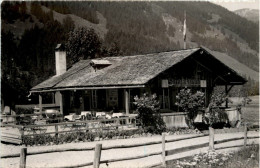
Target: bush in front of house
[[216, 116], [191, 103], [181, 131], [80, 136], [147, 108]]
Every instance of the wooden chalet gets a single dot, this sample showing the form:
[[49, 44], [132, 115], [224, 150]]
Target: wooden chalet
[[110, 83]]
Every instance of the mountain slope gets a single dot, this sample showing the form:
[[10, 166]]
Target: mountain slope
[[31, 30], [237, 66], [250, 14], [100, 28]]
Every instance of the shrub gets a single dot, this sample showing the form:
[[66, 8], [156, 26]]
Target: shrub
[[91, 136], [81, 136], [218, 98], [190, 103], [217, 116], [78, 136], [148, 113]]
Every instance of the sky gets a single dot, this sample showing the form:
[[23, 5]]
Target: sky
[[231, 5], [237, 4]]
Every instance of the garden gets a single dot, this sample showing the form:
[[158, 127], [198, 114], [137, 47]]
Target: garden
[[243, 158]]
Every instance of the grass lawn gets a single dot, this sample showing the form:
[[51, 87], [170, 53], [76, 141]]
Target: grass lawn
[[250, 112]]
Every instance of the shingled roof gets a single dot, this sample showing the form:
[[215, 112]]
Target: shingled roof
[[123, 71]]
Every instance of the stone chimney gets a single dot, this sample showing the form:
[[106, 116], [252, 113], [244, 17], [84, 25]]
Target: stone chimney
[[60, 59]]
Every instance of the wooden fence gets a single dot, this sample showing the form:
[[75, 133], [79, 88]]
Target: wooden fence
[[66, 127], [27, 119], [98, 150]]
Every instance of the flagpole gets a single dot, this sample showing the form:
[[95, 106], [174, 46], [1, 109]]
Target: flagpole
[[184, 31]]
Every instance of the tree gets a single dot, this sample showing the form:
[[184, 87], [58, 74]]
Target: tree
[[111, 51], [114, 50], [82, 43], [23, 9], [68, 24], [14, 81], [171, 31], [8, 83]]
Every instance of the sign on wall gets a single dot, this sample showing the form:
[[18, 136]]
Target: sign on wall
[[203, 83], [184, 82], [165, 83]]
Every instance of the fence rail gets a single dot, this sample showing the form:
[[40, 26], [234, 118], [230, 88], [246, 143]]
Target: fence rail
[[210, 144], [98, 150], [26, 119]]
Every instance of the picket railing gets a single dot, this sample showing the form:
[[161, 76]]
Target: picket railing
[[99, 125], [26, 119]]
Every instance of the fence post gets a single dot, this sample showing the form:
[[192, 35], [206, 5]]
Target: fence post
[[211, 138], [23, 157], [56, 130], [22, 134], [97, 155], [163, 149], [245, 134]]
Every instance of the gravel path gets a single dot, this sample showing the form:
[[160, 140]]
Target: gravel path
[[72, 158]]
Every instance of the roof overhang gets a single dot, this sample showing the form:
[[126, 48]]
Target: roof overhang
[[87, 88], [225, 74]]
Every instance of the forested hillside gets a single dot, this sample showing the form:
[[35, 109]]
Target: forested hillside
[[31, 30]]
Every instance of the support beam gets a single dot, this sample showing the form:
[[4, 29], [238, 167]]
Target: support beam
[[40, 103], [226, 91], [218, 76], [92, 99], [163, 98], [129, 96], [126, 101], [230, 88], [169, 104], [61, 102], [206, 99], [53, 97]]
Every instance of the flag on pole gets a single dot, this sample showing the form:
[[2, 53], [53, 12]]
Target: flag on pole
[[184, 27]]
